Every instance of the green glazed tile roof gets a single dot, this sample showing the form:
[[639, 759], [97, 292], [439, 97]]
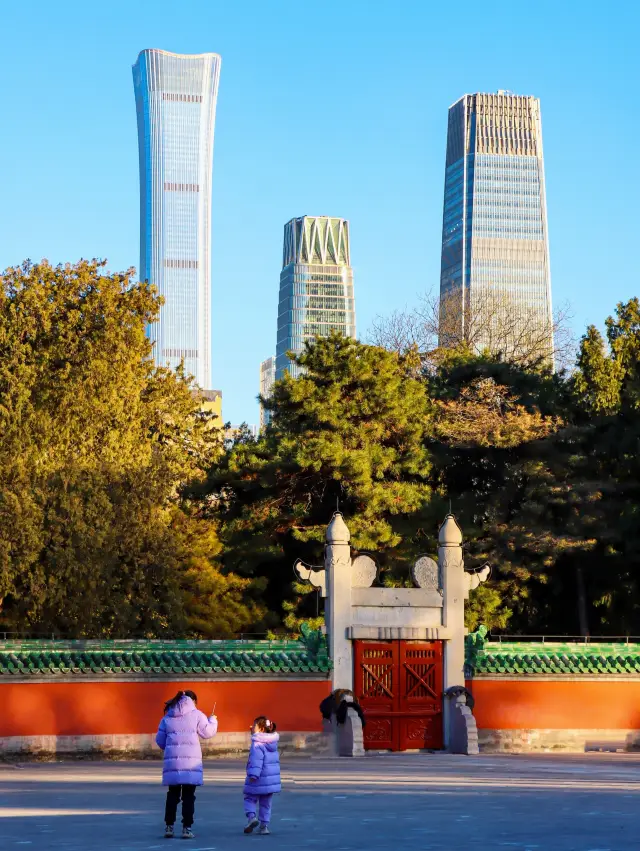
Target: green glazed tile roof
[[534, 658], [175, 659]]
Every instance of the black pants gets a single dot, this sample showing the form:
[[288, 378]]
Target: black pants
[[188, 795]]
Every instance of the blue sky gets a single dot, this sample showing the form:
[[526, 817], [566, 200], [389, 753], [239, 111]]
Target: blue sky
[[325, 108]]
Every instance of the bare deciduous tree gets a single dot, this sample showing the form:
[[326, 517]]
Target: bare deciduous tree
[[496, 323]]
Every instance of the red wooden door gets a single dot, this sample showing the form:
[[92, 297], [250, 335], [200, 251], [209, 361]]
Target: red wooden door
[[421, 681], [399, 686], [376, 689]]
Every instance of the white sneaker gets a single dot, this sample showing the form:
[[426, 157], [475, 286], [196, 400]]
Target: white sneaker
[[251, 825], [264, 830], [168, 831]]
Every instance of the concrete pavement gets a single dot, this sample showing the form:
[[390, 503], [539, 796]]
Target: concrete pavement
[[586, 802]]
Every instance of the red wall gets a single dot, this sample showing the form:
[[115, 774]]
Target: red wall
[[103, 708], [99, 708], [556, 705]]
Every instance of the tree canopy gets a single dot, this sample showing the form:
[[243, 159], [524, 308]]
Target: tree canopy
[[351, 431], [560, 513], [495, 324], [540, 468], [97, 445], [124, 513]]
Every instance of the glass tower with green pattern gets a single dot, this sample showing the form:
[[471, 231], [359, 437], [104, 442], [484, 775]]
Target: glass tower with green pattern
[[316, 286]]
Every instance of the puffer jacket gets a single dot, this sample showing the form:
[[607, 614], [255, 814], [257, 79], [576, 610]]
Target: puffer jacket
[[263, 764], [178, 737]]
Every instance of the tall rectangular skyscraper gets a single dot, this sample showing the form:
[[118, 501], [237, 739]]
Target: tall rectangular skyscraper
[[176, 105], [495, 285], [316, 285]]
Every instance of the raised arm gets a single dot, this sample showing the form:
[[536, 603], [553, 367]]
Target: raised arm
[[161, 735], [207, 727]]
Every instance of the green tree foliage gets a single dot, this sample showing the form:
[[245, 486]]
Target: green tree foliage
[[598, 379], [121, 513], [486, 607], [608, 379], [96, 446], [541, 470], [564, 529], [351, 430], [489, 416]]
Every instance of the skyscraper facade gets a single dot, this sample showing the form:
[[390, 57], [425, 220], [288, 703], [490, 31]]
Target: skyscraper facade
[[316, 285], [267, 377], [495, 253], [176, 105]]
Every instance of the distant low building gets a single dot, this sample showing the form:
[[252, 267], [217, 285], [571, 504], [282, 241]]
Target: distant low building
[[212, 404], [267, 378]]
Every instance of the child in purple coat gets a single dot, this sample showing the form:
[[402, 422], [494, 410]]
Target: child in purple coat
[[263, 775], [179, 737]]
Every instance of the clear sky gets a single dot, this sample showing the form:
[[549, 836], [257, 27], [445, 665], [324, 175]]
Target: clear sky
[[325, 108]]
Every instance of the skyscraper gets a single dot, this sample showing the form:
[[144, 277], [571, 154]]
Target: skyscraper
[[267, 377], [176, 105], [495, 285], [316, 285]]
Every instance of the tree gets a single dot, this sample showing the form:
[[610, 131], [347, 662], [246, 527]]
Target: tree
[[495, 325], [489, 416], [608, 379], [97, 447], [565, 531], [486, 414], [350, 432], [216, 604]]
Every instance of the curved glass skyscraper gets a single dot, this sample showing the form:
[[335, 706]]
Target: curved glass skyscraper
[[316, 286], [176, 106], [495, 283]]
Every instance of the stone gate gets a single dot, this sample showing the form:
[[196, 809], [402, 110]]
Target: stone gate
[[401, 649]]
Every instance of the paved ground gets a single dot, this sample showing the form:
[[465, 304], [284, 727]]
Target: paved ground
[[422, 801]]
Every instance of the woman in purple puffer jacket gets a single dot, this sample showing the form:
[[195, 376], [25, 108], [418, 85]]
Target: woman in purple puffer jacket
[[179, 737], [263, 775]]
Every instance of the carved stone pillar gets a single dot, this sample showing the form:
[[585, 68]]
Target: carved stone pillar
[[338, 617], [453, 585]]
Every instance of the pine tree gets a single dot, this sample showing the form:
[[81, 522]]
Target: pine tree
[[566, 532], [350, 432]]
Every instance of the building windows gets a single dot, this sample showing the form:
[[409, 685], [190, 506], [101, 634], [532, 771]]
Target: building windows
[[181, 187], [494, 231], [175, 104], [180, 353], [315, 297], [182, 98], [180, 264]]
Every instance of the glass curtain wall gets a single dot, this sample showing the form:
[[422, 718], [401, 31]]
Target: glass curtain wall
[[267, 377], [175, 103], [316, 286], [495, 256]]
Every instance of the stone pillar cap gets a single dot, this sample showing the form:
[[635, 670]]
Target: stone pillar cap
[[337, 531], [450, 534]]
